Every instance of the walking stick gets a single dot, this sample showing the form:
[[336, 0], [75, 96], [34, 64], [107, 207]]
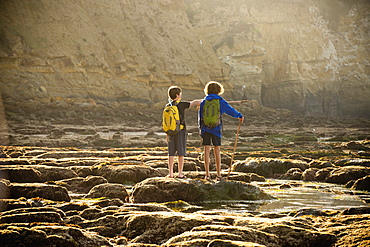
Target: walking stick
[[232, 156]]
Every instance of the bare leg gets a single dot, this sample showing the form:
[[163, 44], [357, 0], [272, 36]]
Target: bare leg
[[217, 152], [181, 166], [207, 150], [170, 166]]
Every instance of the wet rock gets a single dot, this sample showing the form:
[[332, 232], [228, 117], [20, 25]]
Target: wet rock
[[109, 190], [309, 174], [353, 162], [312, 211], [108, 226], [320, 164], [285, 186], [356, 210], [229, 243], [81, 185], [21, 175], [4, 189], [91, 213], [362, 184], [293, 174], [33, 210], [30, 217], [351, 230], [17, 236], [246, 233], [50, 173], [322, 174], [10, 204], [148, 227], [31, 190], [255, 177], [195, 236], [241, 177], [296, 236], [109, 202], [69, 236], [73, 219], [124, 173], [194, 190], [145, 207], [347, 173], [268, 167], [82, 171], [72, 206], [355, 145]]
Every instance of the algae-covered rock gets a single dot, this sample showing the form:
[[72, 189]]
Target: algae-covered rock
[[108, 190], [31, 190], [125, 172], [345, 174], [194, 190], [268, 167]]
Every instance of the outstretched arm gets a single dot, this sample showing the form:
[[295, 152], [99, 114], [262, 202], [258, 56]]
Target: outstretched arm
[[195, 102]]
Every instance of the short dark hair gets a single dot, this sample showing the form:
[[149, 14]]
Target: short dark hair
[[214, 87], [173, 91]]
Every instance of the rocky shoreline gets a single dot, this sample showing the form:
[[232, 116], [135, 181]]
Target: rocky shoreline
[[121, 197]]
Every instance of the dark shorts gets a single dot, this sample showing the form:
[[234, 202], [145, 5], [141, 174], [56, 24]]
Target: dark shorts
[[209, 138], [177, 144]]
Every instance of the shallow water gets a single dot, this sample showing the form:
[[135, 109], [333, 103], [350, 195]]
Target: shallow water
[[321, 196]]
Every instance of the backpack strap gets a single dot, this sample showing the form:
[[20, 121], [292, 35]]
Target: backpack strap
[[175, 103]]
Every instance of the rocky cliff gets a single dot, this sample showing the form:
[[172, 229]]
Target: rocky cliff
[[308, 56]]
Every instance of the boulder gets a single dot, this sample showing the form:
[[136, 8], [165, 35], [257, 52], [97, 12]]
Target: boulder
[[9, 204], [69, 236], [109, 190], [320, 164], [322, 174], [345, 174], [81, 185], [21, 174], [33, 210], [31, 190], [124, 173], [107, 225], [362, 184], [246, 233], [12, 236], [296, 236], [293, 174], [203, 235], [309, 174], [51, 173], [30, 217], [194, 190], [158, 227], [353, 162], [4, 189], [268, 167], [72, 206]]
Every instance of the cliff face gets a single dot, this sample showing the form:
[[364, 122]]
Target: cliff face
[[106, 51], [308, 56]]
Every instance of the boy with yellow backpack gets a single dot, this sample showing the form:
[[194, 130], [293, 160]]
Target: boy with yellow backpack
[[173, 123]]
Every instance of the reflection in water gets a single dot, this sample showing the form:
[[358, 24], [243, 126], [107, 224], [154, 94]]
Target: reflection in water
[[321, 196]]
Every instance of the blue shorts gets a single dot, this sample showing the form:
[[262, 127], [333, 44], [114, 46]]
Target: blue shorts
[[209, 138], [177, 144]]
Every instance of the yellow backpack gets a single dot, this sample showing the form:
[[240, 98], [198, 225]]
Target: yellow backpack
[[171, 119]]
